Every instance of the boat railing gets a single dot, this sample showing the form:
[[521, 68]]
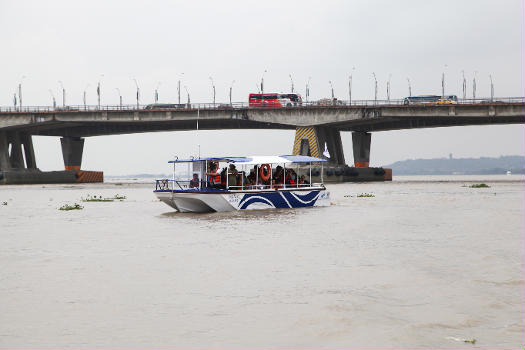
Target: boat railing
[[185, 185]]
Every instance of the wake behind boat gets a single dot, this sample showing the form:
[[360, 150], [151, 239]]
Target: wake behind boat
[[261, 182]]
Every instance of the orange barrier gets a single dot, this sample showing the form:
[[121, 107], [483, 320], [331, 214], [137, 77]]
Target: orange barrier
[[361, 164], [89, 176], [72, 167]]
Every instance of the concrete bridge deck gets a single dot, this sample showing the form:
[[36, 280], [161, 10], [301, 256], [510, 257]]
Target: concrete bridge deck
[[317, 125]]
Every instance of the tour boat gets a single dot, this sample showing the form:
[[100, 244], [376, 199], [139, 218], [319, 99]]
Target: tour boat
[[261, 182]]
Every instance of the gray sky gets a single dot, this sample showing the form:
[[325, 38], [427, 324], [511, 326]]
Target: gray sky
[[155, 41]]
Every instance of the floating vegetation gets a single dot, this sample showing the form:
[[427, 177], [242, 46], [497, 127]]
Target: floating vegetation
[[479, 186], [91, 198], [471, 341], [365, 195], [4, 203], [75, 206]]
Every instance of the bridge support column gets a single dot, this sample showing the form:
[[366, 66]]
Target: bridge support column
[[72, 148], [5, 164], [16, 157], [361, 147], [29, 151], [311, 141]]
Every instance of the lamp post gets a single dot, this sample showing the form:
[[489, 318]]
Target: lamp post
[[120, 97], [231, 88], [138, 92], [84, 96], [491, 88], [332, 89], [20, 92], [388, 87], [156, 98], [307, 91], [443, 82], [63, 93], [474, 85], [262, 82], [213, 89], [291, 82], [375, 87], [409, 88], [350, 78], [178, 87], [98, 89], [54, 100], [464, 85], [14, 100], [188, 94]]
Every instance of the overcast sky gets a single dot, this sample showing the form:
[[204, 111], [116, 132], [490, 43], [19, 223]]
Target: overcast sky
[[155, 42]]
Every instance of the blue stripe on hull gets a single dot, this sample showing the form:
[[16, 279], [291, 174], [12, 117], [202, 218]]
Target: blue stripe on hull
[[280, 199]]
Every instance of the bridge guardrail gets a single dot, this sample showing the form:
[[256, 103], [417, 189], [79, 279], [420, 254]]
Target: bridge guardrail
[[240, 105]]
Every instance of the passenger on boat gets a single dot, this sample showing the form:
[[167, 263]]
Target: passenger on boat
[[250, 179], [214, 175], [303, 181], [232, 176], [195, 181], [291, 177], [278, 177]]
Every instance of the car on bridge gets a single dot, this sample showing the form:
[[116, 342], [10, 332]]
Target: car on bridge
[[431, 99]]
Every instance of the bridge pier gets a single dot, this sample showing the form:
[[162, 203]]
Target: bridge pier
[[72, 148], [361, 147], [311, 141], [16, 151]]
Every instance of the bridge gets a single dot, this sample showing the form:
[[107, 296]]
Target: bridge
[[317, 124]]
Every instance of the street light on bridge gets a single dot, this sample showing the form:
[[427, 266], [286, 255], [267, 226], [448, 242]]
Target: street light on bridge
[[54, 100], [98, 89], [388, 88], [213, 88], [375, 87], [350, 78], [231, 88], [474, 85], [464, 85], [332, 88], [443, 82], [120, 97], [84, 96], [188, 94], [63, 93], [409, 88], [491, 89], [20, 92], [178, 86], [156, 98], [138, 92], [262, 82], [291, 82], [307, 91]]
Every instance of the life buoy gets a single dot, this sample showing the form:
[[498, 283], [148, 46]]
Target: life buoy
[[265, 172]]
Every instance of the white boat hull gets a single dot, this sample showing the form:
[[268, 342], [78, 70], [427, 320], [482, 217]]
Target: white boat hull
[[202, 202]]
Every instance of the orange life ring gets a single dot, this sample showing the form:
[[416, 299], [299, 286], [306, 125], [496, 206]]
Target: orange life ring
[[265, 168]]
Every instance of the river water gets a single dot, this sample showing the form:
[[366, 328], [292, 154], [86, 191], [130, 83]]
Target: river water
[[425, 263]]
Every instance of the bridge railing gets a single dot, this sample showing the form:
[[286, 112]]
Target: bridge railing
[[239, 105]]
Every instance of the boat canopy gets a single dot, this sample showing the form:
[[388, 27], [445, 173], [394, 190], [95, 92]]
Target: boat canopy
[[284, 159]]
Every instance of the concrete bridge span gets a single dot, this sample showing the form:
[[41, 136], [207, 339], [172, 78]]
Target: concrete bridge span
[[316, 126]]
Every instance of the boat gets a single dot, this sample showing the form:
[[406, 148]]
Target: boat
[[274, 182]]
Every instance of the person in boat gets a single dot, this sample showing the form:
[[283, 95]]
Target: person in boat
[[278, 177], [233, 176], [291, 177], [250, 179], [214, 175], [303, 181], [194, 182]]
